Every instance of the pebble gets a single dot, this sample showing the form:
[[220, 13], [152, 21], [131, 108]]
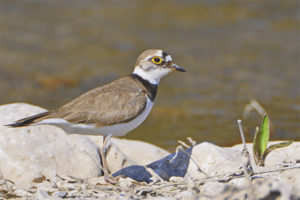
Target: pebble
[[22, 193], [60, 184], [60, 194], [41, 194], [72, 193], [177, 179], [97, 181], [83, 186], [125, 183], [70, 186], [47, 186], [212, 188]]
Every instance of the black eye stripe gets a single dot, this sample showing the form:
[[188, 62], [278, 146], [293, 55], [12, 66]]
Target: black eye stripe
[[164, 54]]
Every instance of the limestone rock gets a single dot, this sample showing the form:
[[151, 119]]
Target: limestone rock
[[289, 154], [212, 160], [25, 153]]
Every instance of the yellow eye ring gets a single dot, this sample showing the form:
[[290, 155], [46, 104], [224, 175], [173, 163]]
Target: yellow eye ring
[[156, 60]]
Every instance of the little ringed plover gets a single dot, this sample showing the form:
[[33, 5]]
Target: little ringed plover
[[113, 109]]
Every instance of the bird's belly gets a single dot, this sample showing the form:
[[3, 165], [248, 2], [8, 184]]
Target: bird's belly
[[90, 129]]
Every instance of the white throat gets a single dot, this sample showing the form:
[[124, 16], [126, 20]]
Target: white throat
[[153, 76]]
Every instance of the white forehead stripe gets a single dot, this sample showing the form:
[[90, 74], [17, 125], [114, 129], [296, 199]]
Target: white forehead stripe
[[159, 54], [148, 57], [168, 58]]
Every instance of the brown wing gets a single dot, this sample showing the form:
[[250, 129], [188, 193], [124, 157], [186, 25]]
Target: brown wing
[[116, 102]]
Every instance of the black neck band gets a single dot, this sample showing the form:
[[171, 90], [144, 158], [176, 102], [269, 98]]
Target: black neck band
[[152, 89]]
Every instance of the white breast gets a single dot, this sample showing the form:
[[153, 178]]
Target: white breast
[[90, 129]]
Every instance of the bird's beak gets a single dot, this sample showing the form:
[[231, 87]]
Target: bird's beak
[[177, 68]]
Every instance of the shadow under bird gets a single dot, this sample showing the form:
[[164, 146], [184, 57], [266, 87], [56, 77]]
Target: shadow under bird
[[113, 109]]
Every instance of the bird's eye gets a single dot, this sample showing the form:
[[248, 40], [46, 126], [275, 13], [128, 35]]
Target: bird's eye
[[156, 60]]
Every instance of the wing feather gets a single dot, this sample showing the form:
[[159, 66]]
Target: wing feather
[[117, 102]]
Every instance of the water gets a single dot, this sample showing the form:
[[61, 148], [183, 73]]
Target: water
[[53, 51]]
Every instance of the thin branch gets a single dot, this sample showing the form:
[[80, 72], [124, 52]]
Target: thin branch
[[194, 161], [247, 167], [183, 144], [176, 153], [242, 133], [191, 141], [296, 166]]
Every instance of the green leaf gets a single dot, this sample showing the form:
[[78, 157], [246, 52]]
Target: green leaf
[[264, 134], [261, 139], [271, 148]]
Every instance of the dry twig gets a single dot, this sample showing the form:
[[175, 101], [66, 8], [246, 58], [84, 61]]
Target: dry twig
[[247, 167]]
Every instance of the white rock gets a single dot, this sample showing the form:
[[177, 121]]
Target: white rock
[[26, 152], [59, 194], [46, 186], [96, 181], [212, 189], [83, 186], [125, 183], [277, 156], [22, 193], [187, 194], [213, 159], [41, 195], [70, 186], [177, 179], [216, 160]]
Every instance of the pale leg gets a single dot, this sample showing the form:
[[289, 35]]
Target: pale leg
[[107, 177]]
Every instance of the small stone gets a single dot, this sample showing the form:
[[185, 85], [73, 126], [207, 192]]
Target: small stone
[[68, 179], [4, 187], [47, 186], [60, 194], [212, 189], [72, 194], [188, 194], [97, 181], [102, 195], [60, 184], [70, 186], [41, 194], [83, 186], [22, 193], [177, 179], [125, 183]]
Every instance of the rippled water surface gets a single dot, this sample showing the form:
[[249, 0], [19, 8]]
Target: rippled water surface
[[52, 51]]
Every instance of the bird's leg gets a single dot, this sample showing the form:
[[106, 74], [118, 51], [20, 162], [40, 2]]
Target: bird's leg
[[107, 177], [103, 155]]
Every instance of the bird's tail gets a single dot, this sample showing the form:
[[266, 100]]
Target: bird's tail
[[28, 120]]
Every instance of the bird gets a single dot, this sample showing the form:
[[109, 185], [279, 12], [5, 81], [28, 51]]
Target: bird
[[113, 109]]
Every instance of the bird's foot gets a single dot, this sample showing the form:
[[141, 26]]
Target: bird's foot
[[111, 179]]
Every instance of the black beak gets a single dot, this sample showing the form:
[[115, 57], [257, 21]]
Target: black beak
[[177, 68]]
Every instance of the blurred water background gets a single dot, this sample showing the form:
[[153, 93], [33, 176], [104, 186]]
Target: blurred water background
[[233, 51]]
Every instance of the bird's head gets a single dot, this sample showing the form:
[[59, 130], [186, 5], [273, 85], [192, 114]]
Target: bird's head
[[154, 64]]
